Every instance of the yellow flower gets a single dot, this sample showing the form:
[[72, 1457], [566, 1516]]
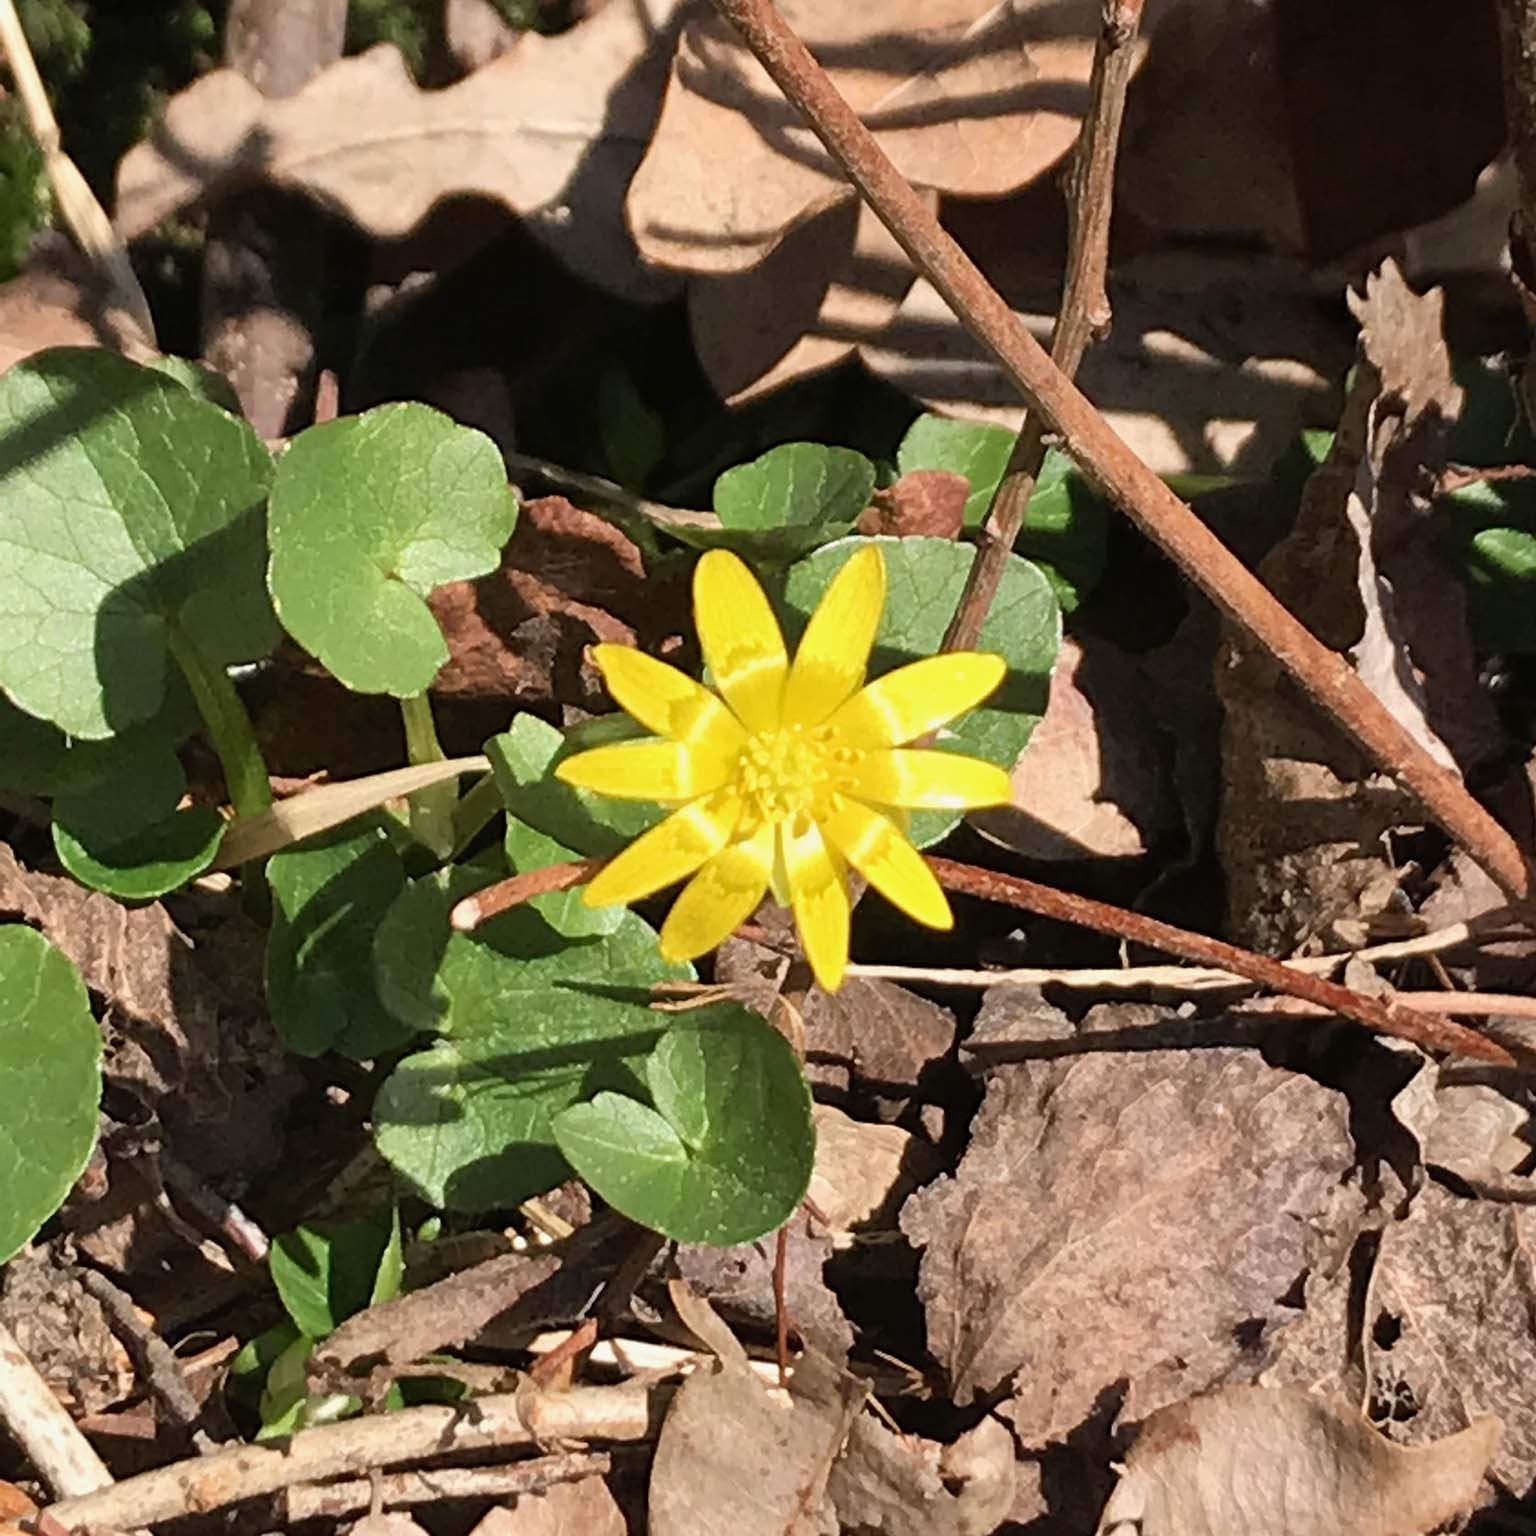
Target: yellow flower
[[791, 773]]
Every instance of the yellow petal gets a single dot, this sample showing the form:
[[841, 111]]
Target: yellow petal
[[669, 852], [722, 896], [921, 779], [740, 638], [834, 651], [647, 770], [918, 698], [873, 844], [665, 700], [819, 900]]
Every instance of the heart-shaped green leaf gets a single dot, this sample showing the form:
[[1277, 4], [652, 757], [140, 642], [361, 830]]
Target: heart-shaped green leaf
[[723, 1153], [790, 500], [368, 515], [124, 834], [1066, 528], [50, 1082], [129, 509], [535, 1022], [330, 1270], [328, 898], [925, 578]]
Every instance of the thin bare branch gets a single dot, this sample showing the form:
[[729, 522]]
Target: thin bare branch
[[1085, 310]]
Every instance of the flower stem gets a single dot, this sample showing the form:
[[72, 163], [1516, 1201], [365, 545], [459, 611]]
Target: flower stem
[[432, 809], [229, 726]]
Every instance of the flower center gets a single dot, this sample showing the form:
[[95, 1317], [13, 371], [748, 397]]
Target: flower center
[[793, 772]]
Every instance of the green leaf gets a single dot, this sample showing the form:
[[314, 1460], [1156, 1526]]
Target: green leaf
[[249, 1369], [550, 823], [790, 500], [724, 1155], [368, 515], [535, 1022], [39, 759], [50, 1082], [328, 1271], [924, 580], [124, 835], [1066, 527], [127, 507], [329, 895], [199, 379], [975, 449], [633, 436]]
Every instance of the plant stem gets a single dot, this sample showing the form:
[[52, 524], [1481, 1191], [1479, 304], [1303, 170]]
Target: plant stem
[[432, 808], [229, 726], [1428, 1031], [1326, 677], [1085, 309]]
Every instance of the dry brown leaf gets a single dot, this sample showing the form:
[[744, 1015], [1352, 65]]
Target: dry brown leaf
[[830, 284], [554, 129], [586, 1507], [1302, 816], [863, 1171], [46, 308], [922, 503], [1210, 368], [733, 1457], [1449, 1330], [966, 96], [1093, 783], [1122, 1216], [1285, 1463], [898, 1485]]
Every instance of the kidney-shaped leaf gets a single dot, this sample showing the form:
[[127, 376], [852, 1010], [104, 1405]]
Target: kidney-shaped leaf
[[924, 580], [791, 499], [725, 1153], [535, 1022], [125, 834], [368, 515], [130, 515], [50, 1082]]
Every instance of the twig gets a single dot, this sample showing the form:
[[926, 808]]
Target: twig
[[160, 1369], [1177, 978], [203, 1483], [86, 218], [606, 494], [1477, 1005], [37, 1422], [505, 894], [238, 1229], [1085, 310], [1327, 678], [431, 1487], [1426, 1030]]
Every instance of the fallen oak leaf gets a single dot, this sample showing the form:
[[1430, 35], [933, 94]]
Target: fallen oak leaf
[[553, 129]]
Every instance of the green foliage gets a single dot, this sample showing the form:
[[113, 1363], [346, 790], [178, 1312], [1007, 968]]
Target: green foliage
[[130, 521], [368, 515], [328, 896], [50, 1082], [1066, 526], [925, 579], [723, 1151]]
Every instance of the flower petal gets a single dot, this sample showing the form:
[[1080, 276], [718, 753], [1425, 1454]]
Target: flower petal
[[819, 900], [919, 778], [669, 852], [647, 770], [722, 896], [740, 638], [665, 700], [873, 844], [917, 698], [834, 651]]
